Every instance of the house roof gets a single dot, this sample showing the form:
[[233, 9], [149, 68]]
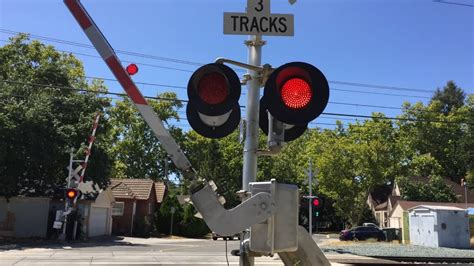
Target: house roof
[[405, 205], [380, 194], [138, 188], [446, 208], [382, 206], [121, 190], [457, 188], [160, 189]]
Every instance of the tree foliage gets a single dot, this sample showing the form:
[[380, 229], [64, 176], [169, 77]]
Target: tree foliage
[[41, 119], [136, 150]]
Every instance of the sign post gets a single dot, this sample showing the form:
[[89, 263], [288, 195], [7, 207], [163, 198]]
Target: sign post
[[257, 21]]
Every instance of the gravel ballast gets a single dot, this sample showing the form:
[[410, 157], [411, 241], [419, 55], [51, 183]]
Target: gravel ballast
[[396, 250]]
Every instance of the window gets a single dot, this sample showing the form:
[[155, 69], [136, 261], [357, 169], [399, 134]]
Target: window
[[150, 211], [117, 208]]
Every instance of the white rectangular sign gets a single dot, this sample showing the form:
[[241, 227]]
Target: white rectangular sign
[[273, 24], [259, 21]]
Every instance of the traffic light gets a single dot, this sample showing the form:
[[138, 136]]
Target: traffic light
[[316, 206], [295, 94], [213, 109], [71, 194]]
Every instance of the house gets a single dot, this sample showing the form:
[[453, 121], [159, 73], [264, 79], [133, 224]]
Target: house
[[439, 226], [135, 204], [96, 210], [399, 216], [382, 199], [23, 217]]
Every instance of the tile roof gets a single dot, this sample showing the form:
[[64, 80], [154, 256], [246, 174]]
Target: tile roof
[[410, 204], [457, 188], [160, 189], [120, 190], [138, 188]]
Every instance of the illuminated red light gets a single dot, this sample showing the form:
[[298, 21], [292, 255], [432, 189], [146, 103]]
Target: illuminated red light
[[316, 202], [213, 88], [132, 69], [71, 193], [296, 93]]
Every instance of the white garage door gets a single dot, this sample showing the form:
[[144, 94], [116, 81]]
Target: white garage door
[[98, 222]]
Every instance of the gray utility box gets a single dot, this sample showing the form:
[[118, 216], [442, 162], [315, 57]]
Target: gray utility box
[[279, 232]]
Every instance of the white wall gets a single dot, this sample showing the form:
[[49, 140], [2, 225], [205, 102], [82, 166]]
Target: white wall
[[456, 232], [30, 215]]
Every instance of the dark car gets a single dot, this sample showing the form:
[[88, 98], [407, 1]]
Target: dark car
[[362, 233], [216, 236]]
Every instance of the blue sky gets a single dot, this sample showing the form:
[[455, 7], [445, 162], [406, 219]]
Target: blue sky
[[418, 44]]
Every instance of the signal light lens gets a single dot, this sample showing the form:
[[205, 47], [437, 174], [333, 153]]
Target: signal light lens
[[296, 93], [213, 88], [316, 202], [132, 69], [71, 193]]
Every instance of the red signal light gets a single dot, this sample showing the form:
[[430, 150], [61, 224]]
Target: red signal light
[[71, 193], [213, 109], [316, 202], [213, 88], [296, 93], [132, 69]]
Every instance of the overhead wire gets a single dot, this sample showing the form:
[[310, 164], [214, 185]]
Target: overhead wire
[[182, 100], [181, 61]]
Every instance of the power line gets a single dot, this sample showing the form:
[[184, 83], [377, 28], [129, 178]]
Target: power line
[[335, 89], [180, 61], [452, 3], [180, 100]]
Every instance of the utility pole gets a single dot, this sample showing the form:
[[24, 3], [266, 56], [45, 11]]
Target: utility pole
[[62, 236], [310, 197], [464, 183], [171, 226], [310, 201]]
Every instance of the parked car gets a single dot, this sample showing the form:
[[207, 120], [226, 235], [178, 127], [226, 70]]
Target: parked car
[[371, 224], [216, 236], [362, 233]]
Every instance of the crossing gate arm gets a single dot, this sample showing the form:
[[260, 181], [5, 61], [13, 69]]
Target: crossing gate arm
[[256, 209], [110, 57]]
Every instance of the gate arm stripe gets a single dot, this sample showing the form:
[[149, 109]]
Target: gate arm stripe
[[104, 48]]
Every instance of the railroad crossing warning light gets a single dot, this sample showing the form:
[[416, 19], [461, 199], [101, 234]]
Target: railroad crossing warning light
[[71, 193], [132, 69], [295, 94], [213, 109]]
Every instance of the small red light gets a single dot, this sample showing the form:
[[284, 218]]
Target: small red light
[[71, 193], [316, 202], [296, 93], [132, 69], [213, 88]]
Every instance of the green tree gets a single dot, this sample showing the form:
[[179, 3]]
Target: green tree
[[41, 119], [136, 150], [450, 97], [446, 137], [435, 191]]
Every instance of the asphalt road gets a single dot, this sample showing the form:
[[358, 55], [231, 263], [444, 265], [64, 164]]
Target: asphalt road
[[156, 251]]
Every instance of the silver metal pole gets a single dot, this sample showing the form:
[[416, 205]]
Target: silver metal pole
[[310, 201], [249, 173], [253, 101], [71, 159], [465, 192]]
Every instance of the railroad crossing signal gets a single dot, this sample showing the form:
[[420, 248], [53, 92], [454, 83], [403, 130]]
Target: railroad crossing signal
[[71, 194], [213, 109], [297, 92], [294, 94]]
